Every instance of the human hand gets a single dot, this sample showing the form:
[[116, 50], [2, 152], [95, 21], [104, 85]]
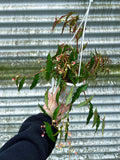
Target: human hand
[[52, 105]]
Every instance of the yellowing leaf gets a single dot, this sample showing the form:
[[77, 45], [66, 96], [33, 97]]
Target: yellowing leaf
[[56, 112], [69, 96], [85, 102], [98, 123], [103, 125], [95, 117]]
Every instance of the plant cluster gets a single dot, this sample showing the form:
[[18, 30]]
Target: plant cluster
[[64, 67]]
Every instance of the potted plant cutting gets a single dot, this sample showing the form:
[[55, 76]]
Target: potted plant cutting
[[65, 70]]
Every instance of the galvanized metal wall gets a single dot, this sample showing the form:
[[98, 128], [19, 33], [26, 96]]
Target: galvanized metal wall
[[25, 35]]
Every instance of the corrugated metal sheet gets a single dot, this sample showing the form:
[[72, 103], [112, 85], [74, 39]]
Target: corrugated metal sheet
[[25, 35]]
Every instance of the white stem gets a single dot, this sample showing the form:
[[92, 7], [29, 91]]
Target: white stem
[[82, 41]]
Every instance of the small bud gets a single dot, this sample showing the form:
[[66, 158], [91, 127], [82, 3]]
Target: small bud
[[57, 146], [60, 148], [76, 153], [17, 76], [69, 134], [53, 121], [42, 126], [60, 72], [13, 79], [65, 69], [73, 63], [68, 65], [58, 67], [57, 58], [61, 144], [42, 135], [69, 143]]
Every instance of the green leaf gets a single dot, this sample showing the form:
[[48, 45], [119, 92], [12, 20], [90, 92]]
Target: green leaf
[[35, 81], [79, 34], [103, 125], [21, 84], [73, 55], [58, 81], [69, 96], [92, 61], [98, 123], [71, 58], [57, 97], [69, 14], [78, 91], [66, 130], [61, 132], [49, 131], [70, 76], [48, 67], [46, 98], [95, 117], [70, 107], [66, 47], [66, 22], [90, 113], [59, 50], [85, 45], [85, 102], [62, 85], [67, 127], [42, 109], [56, 133], [16, 81], [56, 112]]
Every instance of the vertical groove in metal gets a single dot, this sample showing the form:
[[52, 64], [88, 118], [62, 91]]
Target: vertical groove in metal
[[25, 35]]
